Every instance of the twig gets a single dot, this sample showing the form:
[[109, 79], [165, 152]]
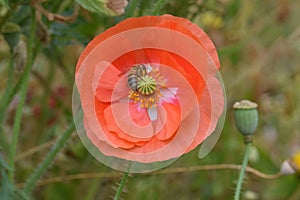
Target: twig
[[160, 172], [36, 149], [53, 16]]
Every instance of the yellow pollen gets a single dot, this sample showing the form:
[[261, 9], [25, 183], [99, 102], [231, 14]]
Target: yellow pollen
[[147, 94]]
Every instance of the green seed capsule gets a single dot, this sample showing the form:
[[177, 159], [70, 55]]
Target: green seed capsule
[[246, 117], [146, 85]]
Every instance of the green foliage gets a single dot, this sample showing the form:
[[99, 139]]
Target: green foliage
[[60, 192], [3, 164], [4, 2], [7, 188]]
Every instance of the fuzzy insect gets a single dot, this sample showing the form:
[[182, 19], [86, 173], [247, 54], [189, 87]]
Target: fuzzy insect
[[134, 75]]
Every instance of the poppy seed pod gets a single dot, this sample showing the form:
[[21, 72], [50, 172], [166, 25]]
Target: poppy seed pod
[[246, 117]]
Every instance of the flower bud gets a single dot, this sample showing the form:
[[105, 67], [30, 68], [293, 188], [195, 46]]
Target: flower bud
[[20, 56], [11, 33], [292, 165], [108, 7], [246, 117], [286, 168], [117, 6]]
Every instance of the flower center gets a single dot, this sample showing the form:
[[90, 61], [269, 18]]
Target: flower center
[[145, 86]]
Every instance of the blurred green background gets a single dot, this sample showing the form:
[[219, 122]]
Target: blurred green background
[[259, 47]]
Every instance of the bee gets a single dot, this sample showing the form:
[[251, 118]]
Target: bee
[[136, 72]]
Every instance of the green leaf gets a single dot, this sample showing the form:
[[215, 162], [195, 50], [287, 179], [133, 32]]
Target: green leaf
[[98, 6], [3, 164], [7, 188], [4, 2]]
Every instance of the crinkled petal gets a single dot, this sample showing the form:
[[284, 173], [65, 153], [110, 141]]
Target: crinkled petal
[[165, 21], [172, 122], [106, 85]]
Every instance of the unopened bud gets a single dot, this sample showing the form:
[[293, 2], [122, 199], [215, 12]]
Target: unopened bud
[[118, 6], [20, 56], [246, 117], [286, 168], [292, 165], [11, 33], [108, 7]]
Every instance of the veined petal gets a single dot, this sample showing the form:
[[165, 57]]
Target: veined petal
[[211, 107], [152, 113], [172, 121], [169, 94], [165, 21], [111, 81], [128, 122]]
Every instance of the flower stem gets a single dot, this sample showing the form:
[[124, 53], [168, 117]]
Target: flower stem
[[243, 169], [122, 183], [158, 6], [3, 140], [121, 186], [24, 87], [8, 98], [36, 175], [131, 8]]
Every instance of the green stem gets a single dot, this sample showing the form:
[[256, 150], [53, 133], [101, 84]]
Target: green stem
[[121, 186], [5, 102], [242, 172], [158, 6], [131, 8], [3, 141], [40, 170], [24, 87], [10, 73], [122, 183]]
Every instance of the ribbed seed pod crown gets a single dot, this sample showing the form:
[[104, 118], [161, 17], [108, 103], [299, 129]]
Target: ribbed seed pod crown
[[246, 117]]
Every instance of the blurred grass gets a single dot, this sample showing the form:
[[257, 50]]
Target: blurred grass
[[258, 44]]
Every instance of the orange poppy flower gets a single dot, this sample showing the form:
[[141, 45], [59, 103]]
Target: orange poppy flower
[[148, 89]]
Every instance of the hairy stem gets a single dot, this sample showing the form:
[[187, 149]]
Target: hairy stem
[[242, 172], [8, 98], [122, 183], [40, 170], [24, 87], [3, 140], [121, 186]]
